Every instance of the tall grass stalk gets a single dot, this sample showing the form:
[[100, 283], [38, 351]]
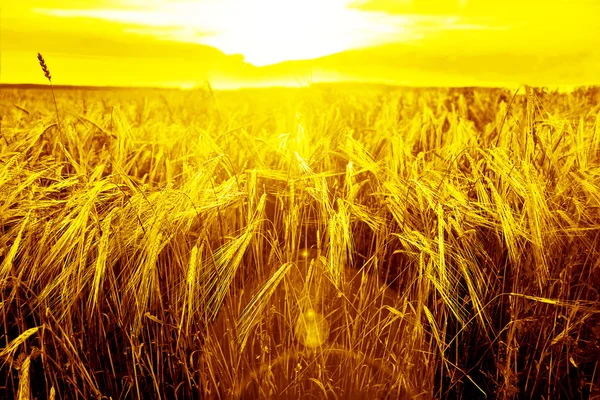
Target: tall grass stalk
[[48, 76]]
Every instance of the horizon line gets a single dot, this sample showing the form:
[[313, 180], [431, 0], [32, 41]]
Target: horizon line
[[513, 86]]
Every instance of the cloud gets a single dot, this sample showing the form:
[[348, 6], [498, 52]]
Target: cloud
[[420, 7], [271, 31], [265, 31]]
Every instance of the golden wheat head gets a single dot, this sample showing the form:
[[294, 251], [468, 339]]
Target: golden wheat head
[[44, 67]]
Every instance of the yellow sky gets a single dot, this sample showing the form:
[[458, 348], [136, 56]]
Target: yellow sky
[[233, 42]]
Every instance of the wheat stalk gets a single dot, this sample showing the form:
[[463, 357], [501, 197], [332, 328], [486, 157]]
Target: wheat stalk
[[48, 76], [12, 346], [393, 377], [24, 392]]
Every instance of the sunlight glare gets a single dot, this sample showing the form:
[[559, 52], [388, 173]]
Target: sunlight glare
[[270, 31], [264, 31]]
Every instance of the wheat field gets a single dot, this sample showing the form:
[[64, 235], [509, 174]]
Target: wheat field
[[332, 241]]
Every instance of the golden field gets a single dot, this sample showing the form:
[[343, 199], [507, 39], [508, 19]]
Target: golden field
[[337, 241]]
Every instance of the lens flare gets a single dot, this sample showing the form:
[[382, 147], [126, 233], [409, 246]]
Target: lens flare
[[312, 329]]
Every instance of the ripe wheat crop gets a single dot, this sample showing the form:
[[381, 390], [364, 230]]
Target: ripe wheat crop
[[321, 242]]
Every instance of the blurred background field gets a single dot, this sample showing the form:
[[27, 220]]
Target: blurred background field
[[149, 238]]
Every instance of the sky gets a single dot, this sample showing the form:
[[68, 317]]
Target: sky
[[234, 43]]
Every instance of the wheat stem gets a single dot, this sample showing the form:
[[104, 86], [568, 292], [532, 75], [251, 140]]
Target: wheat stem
[[48, 76]]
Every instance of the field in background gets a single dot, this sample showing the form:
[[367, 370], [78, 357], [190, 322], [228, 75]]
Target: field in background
[[148, 243]]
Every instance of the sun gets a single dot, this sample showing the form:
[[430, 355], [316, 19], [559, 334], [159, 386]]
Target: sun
[[271, 31]]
